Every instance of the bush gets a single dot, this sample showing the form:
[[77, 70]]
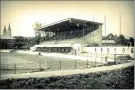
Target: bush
[[117, 79]]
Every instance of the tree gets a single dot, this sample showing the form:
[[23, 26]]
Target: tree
[[110, 36], [116, 38], [36, 26], [19, 38], [122, 40], [20, 41], [131, 40]]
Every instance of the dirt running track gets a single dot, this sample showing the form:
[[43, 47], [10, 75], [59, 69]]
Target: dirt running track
[[67, 72]]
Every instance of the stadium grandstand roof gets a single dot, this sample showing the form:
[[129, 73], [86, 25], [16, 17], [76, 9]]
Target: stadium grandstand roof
[[68, 24]]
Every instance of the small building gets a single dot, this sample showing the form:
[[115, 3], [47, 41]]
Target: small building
[[108, 43], [39, 33], [6, 42]]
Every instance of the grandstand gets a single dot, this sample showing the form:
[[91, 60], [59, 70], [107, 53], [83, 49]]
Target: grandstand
[[73, 33]]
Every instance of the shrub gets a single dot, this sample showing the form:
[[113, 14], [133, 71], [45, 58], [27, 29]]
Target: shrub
[[116, 79]]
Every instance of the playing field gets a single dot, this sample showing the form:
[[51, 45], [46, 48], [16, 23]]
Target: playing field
[[23, 63]]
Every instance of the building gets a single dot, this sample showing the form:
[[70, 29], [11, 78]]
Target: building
[[6, 40], [4, 31], [108, 43], [39, 33], [9, 31], [73, 30], [70, 35]]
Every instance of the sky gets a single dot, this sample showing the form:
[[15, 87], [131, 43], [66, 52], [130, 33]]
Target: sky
[[23, 14]]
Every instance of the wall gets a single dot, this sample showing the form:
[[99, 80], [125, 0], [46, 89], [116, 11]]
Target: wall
[[109, 50]]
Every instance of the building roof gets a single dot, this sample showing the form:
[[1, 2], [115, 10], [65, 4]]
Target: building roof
[[108, 41], [69, 23], [6, 37], [54, 45]]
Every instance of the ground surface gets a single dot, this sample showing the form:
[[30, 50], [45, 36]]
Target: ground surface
[[113, 79], [24, 63]]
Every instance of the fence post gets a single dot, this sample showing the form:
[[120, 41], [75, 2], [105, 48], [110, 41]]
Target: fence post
[[39, 65], [87, 63], [75, 64], [15, 67], [45, 64], [115, 58], [60, 64], [95, 60], [101, 58], [106, 59], [0, 71], [121, 57]]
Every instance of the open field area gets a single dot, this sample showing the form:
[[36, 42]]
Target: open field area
[[24, 63], [114, 79]]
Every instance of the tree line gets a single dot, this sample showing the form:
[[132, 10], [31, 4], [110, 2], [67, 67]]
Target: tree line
[[120, 40], [29, 42]]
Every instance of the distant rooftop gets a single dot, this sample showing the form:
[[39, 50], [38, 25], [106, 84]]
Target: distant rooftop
[[6, 37], [108, 41]]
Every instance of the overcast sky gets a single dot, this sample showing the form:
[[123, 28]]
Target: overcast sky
[[23, 14]]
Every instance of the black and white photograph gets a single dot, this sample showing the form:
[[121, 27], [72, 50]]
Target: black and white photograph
[[67, 44]]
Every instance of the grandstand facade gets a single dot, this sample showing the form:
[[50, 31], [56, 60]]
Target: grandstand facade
[[74, 31], [70, 34]]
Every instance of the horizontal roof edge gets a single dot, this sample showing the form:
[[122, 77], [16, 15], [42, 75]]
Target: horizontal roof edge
[[86, 21], [67, 20]]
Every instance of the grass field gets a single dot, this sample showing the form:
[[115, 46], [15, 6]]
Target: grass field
[[24, 63]]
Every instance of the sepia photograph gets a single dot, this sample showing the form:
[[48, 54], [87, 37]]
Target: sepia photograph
[[67, 44]]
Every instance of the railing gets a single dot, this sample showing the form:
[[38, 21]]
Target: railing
[[47, 64]]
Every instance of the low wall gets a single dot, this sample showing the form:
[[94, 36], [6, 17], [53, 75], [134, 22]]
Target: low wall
[[110, 50], [94, 50], [4, 50]]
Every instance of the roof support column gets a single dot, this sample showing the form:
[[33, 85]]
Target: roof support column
[[93, 30], [105, 27]]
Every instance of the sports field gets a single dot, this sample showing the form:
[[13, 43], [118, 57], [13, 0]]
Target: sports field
[[23, 63]]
